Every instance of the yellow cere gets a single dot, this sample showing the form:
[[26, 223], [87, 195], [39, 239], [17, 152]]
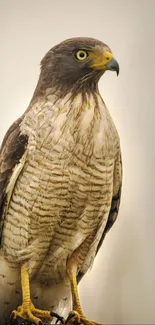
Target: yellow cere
[[100, 61], [108, 56]]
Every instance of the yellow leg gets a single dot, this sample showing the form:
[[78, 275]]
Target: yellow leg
[[27, 310], [76, 316]]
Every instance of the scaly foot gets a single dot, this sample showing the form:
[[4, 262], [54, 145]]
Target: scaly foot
[[28, 312], [76, 318]]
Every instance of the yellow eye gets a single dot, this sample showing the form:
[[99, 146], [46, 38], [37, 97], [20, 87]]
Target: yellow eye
[[81, 55]]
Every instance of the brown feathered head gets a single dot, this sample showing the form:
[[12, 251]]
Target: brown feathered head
[[75, 64]]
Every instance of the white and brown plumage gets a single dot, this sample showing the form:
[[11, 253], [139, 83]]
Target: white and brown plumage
[[60, 182]]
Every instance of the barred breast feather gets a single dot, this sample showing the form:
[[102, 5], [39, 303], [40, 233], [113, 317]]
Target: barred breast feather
[[61, 191]]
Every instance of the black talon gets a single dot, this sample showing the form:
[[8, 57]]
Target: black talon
[[40, 323], [11, 319], [71, 314], [59, 318]]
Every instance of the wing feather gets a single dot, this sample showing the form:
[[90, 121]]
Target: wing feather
[[115, 203], [11, 153]]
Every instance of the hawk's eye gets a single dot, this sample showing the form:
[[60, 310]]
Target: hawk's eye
[[81, 55]]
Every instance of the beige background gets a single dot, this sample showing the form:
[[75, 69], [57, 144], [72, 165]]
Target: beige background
[[120, 289]]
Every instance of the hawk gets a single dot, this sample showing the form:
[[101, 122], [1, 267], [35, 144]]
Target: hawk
[[60, 185]]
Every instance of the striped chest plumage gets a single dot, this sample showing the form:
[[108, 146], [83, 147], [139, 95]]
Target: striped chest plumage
[[60, 184], [64, 191]]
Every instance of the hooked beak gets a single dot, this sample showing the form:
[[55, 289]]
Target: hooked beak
[[112, 66], [104, 62]]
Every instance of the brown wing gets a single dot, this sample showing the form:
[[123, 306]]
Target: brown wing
[[115, 203], [117, 185], [12, 149]]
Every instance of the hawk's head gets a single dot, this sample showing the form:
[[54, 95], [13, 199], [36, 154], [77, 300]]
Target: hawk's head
[[76, 63]]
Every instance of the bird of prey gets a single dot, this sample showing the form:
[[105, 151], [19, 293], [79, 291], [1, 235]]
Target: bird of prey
[[60, 185]]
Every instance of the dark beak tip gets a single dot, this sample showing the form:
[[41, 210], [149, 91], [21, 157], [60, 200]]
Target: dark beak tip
[[113, 66]]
